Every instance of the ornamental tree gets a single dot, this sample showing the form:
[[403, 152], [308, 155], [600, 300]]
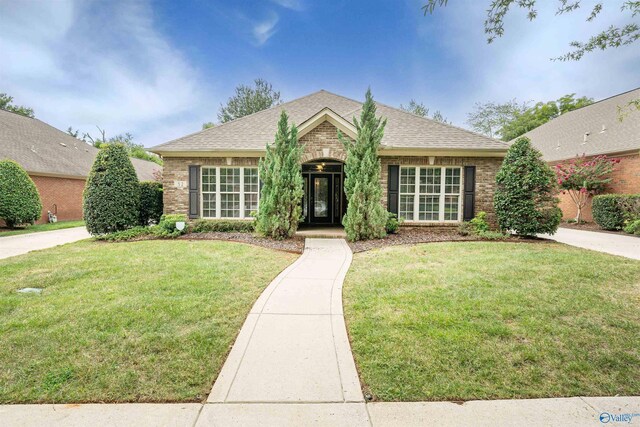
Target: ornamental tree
[[582, 178], [524, 200], [19, 198], [283, 187], [112, 193], [366, 217]]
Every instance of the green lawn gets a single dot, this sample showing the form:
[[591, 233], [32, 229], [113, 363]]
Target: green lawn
[[461, 321], [40, 227], [143, 321]]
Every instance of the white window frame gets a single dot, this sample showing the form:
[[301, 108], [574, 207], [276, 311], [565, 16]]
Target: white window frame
[[218, 194], [441, 195]]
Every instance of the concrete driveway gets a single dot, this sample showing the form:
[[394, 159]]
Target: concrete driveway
[[23, 243], [615, 244]]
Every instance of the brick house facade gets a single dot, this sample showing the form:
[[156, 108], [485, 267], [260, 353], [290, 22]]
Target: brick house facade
[[62, 196], [207, 174]]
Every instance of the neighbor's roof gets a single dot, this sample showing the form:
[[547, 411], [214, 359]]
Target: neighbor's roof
[[403, 130], [43, 149], [591, 130]]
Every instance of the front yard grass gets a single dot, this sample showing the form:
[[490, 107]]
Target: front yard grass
[[144, 321], [462, 321], [40, 227]]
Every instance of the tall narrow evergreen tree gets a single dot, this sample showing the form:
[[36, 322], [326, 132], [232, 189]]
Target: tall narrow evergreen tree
[[282, 184], [366, 217]]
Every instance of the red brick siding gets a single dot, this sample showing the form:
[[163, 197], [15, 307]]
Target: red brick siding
[[625, 180], [63, 193]]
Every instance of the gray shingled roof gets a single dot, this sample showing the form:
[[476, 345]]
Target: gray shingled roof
[[564, 137], [43, 149], [404, 130]]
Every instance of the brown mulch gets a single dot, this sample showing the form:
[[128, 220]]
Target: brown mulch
[[413, 235], [589, 226], [294, 245]]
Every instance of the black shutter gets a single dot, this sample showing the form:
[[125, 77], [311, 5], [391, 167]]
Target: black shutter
[[469, 202], [393, 185], [194, 191]]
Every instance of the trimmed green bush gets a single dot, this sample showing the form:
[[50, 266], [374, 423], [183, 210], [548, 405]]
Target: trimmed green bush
[[128, 234], [19, 198], [610, 211], [167, 225], [393, 223], [524, 199], [633, 227], [150, 202], [224, 226], [112, 193]]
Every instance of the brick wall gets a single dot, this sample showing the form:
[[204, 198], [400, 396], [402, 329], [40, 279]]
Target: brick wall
[[322, 142], [486, 170], [63, 193], [625, 179]]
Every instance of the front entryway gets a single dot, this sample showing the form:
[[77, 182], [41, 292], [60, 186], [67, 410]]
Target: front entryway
[[323, 202]]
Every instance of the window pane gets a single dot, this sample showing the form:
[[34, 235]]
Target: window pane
[[429, 208], [407, 180], [230, 205], [451, 208], [430, 180], [208, 180], [251, 181], [406, 207], [452, 181], [209, 205], [250, 204], [230, 180]]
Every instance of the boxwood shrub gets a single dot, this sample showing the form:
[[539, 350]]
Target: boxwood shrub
[[112, 194], [610, 211], [221, 225], [19, 198], [150, 202]]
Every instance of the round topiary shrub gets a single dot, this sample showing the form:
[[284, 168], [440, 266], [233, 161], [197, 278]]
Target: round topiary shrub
[[19, 198], [112, 193], [524, 200], [150, 202]]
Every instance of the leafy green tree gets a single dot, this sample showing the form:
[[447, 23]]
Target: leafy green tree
[[612, 37], [524, 200], [19, 198], [512, 119], [151, 204], [208, 125], [419, 109], [490, 117], [248, 100], [366, 217], [112, 193], [6, 103], [134, 149], [282, 190]]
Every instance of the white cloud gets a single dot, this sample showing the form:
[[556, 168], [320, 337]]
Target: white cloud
[[263, 30], [85, 64], [518, 64], [290, 4]]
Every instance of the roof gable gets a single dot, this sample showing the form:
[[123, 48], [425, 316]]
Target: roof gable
[[251, 133]]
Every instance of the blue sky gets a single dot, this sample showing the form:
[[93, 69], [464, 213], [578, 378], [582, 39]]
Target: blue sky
[[159, 69]]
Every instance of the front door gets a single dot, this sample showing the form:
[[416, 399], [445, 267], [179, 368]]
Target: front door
[[320, 199]]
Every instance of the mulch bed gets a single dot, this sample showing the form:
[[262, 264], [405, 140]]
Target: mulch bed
[[294, 245], [411, 235]]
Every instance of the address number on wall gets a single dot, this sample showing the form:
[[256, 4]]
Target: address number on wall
[[180, 184]]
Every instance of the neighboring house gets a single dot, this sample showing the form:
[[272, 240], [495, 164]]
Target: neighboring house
[[432, 173], [595, 130], [57, 162]]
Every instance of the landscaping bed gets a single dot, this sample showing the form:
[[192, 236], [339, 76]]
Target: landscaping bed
[[485, 320], [148, 321], [410, 235], [294, 244]]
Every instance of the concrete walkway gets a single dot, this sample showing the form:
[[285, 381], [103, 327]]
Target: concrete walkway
[[23, 243], [622, 245]]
